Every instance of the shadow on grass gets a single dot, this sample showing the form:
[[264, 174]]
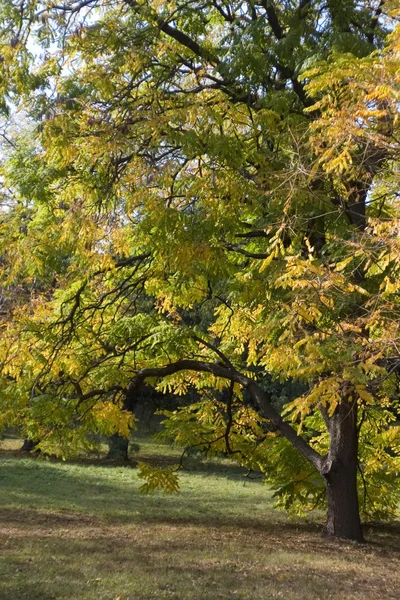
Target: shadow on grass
[[59, 496], [164, 563], [206, 498], [84, 532], [191, 464], [22, 519]]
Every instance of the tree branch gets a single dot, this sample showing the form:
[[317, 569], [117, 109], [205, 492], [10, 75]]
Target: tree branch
[[233, 248], [255, 233], [178, 35], [265, 407], [186, 41], [130, 260], [272, 18], [374, 22]]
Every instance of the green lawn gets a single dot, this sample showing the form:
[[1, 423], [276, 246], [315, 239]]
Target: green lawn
[[84, 532]]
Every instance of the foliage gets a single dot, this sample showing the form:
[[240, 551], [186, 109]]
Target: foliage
[[211, 182], [158, 479]]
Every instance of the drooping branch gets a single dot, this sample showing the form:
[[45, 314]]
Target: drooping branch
[[224, 11], [186, 41], [130, 260], [265, 407]]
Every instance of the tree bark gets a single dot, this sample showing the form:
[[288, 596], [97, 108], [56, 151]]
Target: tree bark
[[343, 518], [340, 473]]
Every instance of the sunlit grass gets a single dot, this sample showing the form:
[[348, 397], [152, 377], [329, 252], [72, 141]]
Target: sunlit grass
[[84, 531]]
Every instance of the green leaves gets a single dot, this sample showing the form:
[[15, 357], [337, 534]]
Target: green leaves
[[165, 480]]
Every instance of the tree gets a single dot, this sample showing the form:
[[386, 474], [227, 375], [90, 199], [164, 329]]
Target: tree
[[237, 156]]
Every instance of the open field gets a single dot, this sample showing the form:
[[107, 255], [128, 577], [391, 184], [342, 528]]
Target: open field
[[84, 532]]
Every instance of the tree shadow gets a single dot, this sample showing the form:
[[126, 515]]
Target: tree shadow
[[191, 464], [83, 497], [176, 564]]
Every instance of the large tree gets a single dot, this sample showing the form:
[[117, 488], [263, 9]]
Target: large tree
[[239, 158]]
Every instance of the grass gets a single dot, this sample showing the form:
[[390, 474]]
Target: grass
[[82, 531]]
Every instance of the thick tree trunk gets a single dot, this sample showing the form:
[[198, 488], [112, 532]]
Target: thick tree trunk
[[343, 519], [340, 473]]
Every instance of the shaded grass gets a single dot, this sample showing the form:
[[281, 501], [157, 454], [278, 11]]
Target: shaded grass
[[83, 531]]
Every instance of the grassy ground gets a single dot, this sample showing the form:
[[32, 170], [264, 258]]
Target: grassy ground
[[84, 532]]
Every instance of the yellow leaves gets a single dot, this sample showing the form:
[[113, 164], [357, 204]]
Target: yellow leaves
[[370, 366], [245, 329], [105, 262], [340, 266], [346, 326], [121, 242], [301, 273], [364, 394], [252, 358], [111, 419], [389, 287], [267, 261], [275, 249], [179, 387], [339, 163], [326, 392], [165, 304], [381, 92], [308, 313], [358, 106], [352, 287]]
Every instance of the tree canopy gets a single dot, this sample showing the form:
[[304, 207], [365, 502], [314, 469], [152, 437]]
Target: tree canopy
[[210, 197]]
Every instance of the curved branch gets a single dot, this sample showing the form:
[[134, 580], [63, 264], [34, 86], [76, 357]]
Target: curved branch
[[266, 409]]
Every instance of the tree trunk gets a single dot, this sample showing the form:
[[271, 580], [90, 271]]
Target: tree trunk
[[340, 473], [118, 448], [343, 519], [118, 445], [29, 446]]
